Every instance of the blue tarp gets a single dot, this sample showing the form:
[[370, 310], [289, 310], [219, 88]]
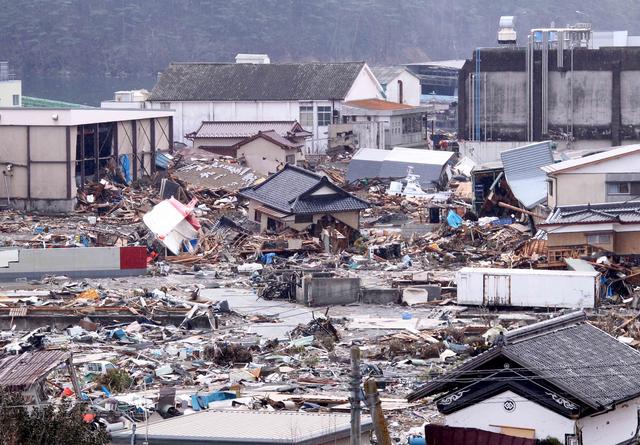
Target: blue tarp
[[126, 168], [453, 219]]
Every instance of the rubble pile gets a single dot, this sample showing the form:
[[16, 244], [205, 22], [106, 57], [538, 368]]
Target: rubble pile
[[230, 316]]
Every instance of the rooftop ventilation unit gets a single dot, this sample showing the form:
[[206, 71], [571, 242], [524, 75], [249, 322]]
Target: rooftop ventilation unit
[[507, 31]]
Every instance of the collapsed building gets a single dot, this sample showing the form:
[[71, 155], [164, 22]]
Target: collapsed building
[[48, 154]]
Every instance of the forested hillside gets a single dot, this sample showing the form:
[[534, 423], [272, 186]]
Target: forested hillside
[[139, 37]]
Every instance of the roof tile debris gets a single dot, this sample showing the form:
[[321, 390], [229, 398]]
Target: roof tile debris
[[20, 372]]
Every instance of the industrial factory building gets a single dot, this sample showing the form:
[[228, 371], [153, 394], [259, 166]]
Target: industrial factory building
[[557, 87], [47, 154]]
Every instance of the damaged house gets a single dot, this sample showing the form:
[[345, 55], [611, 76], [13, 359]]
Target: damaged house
[[433, 167], [517, 180], [27, 373], [299, 199], [221, 137], [585, 229], [267, 152], [561, 378]]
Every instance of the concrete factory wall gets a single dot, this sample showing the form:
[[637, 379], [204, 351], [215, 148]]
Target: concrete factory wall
[[604, 105]]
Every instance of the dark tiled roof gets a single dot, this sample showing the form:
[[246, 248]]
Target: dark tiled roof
[[584, 361], [328, 205], [244, 129], [622, 212], [290, 189], [251, 82]]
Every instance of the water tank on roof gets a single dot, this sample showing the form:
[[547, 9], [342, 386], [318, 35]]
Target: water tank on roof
[[253, 58], [507, 31]]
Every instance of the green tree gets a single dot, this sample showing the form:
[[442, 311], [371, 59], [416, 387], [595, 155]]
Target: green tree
[[50, 424]]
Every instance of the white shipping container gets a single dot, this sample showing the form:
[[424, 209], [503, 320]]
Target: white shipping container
[[527, 288]]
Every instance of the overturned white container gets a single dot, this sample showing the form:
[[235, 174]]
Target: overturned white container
[[528, 288]]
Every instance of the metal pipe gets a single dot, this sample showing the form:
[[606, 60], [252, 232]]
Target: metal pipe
[[485, 106], [355, 396]]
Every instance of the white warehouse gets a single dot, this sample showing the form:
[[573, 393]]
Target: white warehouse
[[310, 93]]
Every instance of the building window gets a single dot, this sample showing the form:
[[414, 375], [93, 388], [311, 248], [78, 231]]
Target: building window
[[16, 100], [598, 238], [618, 188], [165, 105], [324, 116], [290, 159], [411, 124], [550, 187], [306, 115], [304, 219], [571, 439], [257, 216], [400, 92]]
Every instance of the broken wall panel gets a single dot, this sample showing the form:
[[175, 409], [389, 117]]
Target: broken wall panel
[[76, 262]]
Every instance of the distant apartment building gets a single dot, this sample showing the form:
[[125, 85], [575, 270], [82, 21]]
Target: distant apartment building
[[310, 93], [10, 88], [375, 123]]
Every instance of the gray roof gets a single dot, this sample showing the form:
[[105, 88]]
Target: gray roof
[[615, 212], [253, 82], [273, 137], [374, 163], [290, 190], [247, 427], [584, 361], [386, 74], [244, 129], [522, 168]]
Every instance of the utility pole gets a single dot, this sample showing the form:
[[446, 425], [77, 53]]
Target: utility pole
[[379, 422], [355, 396]]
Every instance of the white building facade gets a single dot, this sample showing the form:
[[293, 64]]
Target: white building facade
[[399, 84], [311, 94]]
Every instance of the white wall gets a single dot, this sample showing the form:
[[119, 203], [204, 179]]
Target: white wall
[[264, 157], [490, 415], [410, 86], [365, 86], [189, 115], [613, 427], [7, 89]]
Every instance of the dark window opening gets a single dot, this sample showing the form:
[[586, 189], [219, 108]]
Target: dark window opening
[[304, 219], [94, 150], [400, 92]]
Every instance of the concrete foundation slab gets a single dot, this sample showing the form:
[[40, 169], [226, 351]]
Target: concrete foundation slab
[[380, 295]]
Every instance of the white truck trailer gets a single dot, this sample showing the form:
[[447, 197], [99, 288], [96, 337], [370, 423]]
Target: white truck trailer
[[528, 288]]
